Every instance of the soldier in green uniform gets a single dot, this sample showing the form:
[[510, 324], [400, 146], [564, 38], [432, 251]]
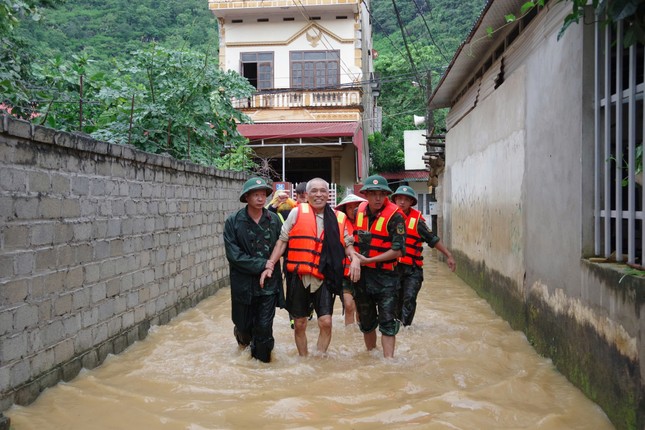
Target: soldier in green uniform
[[250, 234], [410, 267], [379, 239]]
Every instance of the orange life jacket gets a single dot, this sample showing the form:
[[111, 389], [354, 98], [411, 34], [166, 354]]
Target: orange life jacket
[[303, 253], [346, 261], [413, 241], [380, 241]]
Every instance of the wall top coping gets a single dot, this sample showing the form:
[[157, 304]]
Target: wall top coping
[[18, 128]]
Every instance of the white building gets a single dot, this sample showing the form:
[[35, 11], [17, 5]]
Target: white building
[[311, 62]]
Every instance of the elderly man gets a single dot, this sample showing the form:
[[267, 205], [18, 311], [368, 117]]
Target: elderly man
[[379, 234], [318, 241], [250, 235]]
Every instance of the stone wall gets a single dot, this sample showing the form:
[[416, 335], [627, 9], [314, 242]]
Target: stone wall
[[97, 243]]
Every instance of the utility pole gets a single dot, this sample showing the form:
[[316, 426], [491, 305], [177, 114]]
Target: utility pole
[[429, 133], [429, 113]]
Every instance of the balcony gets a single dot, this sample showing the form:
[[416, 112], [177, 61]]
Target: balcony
[[286, 99], [252, 4]]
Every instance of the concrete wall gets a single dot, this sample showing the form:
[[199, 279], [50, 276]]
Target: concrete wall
[[97, 243], [517, 196]]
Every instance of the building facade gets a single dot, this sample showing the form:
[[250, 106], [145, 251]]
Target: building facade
[[311, 63], [544, 221]]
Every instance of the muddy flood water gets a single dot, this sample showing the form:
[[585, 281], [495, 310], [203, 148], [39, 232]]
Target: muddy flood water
[[459, 366]]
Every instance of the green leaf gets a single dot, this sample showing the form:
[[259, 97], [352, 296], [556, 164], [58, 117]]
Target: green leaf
[[526, 7], [621, 9]]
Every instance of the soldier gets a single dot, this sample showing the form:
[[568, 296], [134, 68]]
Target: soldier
[[250, 234], [379, 239], [410, 265]]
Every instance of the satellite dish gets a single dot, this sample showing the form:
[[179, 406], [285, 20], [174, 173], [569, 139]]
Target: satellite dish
[[418, 120]]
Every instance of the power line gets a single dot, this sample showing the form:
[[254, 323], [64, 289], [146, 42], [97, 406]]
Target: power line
[[429, 32], [324, 39], [405, 41], [373, 18]]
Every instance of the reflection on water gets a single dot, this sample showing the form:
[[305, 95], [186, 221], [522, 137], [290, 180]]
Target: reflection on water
[[459, 366]]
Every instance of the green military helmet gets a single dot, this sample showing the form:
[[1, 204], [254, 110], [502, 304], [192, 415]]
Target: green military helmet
[[405, 190], [255, 184], [375, 183]]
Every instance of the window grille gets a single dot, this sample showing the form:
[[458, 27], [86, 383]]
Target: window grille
[[619, 126]]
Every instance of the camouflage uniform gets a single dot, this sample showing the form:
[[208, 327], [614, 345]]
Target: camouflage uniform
[[412, 278], [248, 246], [376, 293]]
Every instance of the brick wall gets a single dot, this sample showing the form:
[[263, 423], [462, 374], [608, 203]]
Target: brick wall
[[97, 243]]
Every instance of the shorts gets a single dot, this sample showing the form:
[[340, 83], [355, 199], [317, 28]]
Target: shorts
[[348, 286], [377, 296], [300, 300]]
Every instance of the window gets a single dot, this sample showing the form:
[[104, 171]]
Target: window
[[618, 139], [257, 67], [315, 69]]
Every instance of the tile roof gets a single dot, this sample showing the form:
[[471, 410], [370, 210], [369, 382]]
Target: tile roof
[[278, 130]]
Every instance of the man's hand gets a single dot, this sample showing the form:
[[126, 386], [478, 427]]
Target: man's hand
[[265, 274], [355, 270], [452, 265]]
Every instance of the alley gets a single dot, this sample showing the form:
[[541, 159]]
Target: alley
[[458, 367]]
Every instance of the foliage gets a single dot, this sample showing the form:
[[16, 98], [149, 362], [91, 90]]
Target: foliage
[[632, 271], [15, 57], [179, 103], [632, 12], [238, 157], [113, 28], [160, 100], [12, 11], [432, 35], [386, 155], [638, 168]]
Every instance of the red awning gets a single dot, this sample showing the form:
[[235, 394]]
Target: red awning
[[296, 130], [410, 175]]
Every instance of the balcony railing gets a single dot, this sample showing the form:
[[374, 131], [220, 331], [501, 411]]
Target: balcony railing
[[235, 4], [300, 99]]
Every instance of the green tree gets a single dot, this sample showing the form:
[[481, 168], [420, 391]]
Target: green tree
[[386, 155], [179, 103], [432, 34], [15, 57]]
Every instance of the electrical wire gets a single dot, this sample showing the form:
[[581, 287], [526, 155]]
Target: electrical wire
[[324, 39], [405, 41], [419, 13]]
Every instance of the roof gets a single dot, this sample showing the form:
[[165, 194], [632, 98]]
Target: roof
[[407, 175], [277, 130], [473, 51]]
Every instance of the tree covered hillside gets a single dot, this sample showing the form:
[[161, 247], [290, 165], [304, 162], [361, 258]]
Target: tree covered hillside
[[415, 41], [154, 64], [109, 29]]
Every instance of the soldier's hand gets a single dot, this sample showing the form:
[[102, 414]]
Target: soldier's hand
[[265, 274], [360, 258], [452, 265]]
